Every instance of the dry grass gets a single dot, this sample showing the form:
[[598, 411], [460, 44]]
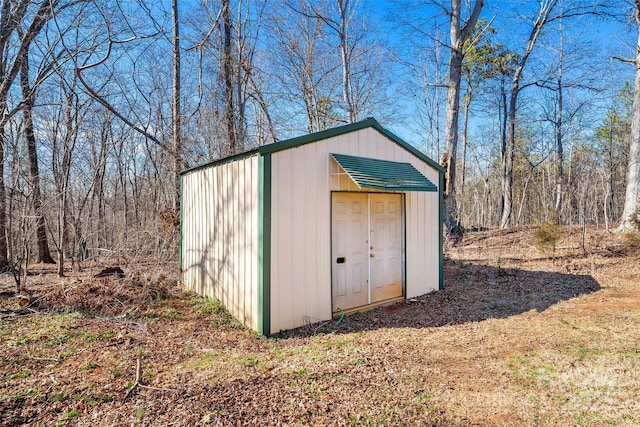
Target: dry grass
[[517, 338]]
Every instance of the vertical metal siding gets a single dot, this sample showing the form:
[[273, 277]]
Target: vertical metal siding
[[301, 207], [220, 235]]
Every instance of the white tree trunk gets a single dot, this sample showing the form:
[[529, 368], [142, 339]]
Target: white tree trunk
[[630, 212]]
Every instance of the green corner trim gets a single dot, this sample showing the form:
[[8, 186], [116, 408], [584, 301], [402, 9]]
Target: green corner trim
[[441, 230], [404, 247], [264, 245], [181, 222]]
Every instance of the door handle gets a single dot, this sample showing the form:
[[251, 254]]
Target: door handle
[[372, 255], [341, 260]]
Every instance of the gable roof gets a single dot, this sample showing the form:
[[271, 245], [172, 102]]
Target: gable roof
[[319, 136]]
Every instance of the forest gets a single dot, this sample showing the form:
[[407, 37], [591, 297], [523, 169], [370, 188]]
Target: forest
[[531, 106]]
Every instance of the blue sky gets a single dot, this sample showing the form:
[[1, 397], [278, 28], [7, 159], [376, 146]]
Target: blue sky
[[596, 39]]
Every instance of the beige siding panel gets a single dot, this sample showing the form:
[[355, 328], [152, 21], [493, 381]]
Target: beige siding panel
[[301, 224], [300, 239], [412, 266], [220, 235]]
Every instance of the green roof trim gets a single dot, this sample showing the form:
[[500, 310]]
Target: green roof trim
[[341, 130], [319, 136], [383, 174], [221, 161]]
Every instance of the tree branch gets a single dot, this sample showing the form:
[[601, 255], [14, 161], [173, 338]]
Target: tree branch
[[468, 27], [627, 60], [95, 95]]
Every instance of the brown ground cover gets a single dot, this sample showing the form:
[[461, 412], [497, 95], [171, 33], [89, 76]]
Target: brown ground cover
[[518, 337]]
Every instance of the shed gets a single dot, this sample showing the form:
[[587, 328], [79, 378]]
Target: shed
[[297, 231]]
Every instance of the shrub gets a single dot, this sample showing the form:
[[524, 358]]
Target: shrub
[[546, 237], [631, 243]]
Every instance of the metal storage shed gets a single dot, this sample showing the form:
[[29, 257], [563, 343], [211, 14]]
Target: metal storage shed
[[293, 232]]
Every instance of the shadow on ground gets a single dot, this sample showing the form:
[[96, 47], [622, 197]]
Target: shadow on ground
[[472, 293]]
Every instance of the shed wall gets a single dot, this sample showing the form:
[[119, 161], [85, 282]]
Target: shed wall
[[220, 235], [301, 206]]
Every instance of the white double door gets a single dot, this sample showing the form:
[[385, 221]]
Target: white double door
[[367, 248]]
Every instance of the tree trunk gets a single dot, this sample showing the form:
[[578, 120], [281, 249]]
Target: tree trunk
[[607, 192], [507, 158], [4, 256], [176, 110], [451, 140], [13, 27], [458, 37], [62, 231], [524, 193], [64, 174], [465, 142], [347, 94], [264, 107], [227, 70], [560, 153], [508, 150], [559, 136], [630, 218], [504, 121], [44, 255]]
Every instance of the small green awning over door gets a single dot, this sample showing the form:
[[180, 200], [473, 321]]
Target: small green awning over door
[[383, 174]]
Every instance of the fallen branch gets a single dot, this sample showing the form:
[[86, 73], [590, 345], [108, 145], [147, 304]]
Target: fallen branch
[[139, 384], [155, 388], [37, 300], [136, 384], [9, 314], [47, 359]]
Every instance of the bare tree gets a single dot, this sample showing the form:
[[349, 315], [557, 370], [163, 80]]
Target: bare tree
[[631, 210], [176, 110], [570, 86], [545, 15], [302, 63], [342, 29], [20, 23], [228, 41], [559, 123], [459, 33], [341, 25], [227, 75], [28, 95], [480, 63], [64, 138], [542, 17], [611, 144]]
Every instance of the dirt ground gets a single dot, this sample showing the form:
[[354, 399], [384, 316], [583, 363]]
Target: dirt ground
[[518, 337]]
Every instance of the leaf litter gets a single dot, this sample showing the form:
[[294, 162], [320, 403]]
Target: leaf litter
[[518, 337]]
